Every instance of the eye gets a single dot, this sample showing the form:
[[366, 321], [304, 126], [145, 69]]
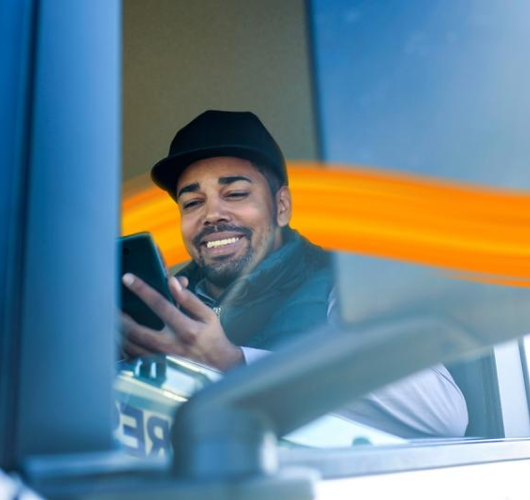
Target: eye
[[237, 195], [190, 204]]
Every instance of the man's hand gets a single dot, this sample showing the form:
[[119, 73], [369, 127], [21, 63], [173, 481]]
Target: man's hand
[[198, 336]]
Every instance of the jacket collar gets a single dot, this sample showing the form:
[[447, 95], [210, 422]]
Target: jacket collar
[[284, 268]]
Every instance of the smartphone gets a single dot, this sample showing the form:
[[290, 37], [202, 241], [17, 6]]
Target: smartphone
[[140, 256]]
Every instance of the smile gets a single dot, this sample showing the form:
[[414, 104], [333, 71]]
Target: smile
[[221, 243]]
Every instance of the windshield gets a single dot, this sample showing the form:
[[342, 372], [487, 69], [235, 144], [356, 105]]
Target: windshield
[[403, 131]]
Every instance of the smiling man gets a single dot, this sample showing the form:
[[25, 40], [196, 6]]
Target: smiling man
[[253, 282], [231, 220]]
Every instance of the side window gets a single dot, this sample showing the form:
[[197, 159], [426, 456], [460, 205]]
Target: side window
[[424, 108]]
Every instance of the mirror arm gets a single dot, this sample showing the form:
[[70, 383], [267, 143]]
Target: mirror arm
[[229, 429]]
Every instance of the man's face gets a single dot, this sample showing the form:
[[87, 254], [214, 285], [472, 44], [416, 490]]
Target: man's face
[[228, 218]]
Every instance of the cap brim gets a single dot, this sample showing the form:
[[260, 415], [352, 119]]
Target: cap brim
[[166, 172]]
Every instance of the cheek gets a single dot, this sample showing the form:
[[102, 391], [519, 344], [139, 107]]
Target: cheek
[[263, 227], [259, 213]]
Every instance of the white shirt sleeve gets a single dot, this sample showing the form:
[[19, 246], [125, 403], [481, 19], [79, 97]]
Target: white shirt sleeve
[[251, 354], [427, 404]]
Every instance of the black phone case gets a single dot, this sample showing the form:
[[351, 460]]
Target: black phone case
[[140, 256]]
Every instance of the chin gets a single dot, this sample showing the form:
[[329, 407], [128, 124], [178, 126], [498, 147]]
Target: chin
[[221, 277], [224, 271]]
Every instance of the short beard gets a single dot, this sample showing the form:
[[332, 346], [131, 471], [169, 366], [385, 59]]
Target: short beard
[[226, 272]]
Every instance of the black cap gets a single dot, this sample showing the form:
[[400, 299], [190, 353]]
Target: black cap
[[219, 133]]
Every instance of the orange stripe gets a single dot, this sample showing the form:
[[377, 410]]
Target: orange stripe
[[455, 226]]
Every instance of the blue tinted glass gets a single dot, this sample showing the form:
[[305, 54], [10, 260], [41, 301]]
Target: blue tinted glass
[[429, 87]]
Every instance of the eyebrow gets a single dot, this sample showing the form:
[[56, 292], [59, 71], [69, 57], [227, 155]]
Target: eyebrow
[[233, 178], [190, 188], [224, 181]]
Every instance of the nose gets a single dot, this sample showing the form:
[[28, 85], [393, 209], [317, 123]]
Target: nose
[[215, 212]]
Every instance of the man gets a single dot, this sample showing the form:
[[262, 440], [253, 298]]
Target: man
[[253, 282]]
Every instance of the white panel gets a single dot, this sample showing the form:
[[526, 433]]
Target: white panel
[[512, 390], [495, 481]]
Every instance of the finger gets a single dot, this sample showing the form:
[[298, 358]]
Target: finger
[[134, 351], [183, 281], [190, 301], [171, 340], [151, 340], [166, 311], [127, 327], [125, 323], [125, 319]]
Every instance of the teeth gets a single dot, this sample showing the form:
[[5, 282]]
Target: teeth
[[220, 243]]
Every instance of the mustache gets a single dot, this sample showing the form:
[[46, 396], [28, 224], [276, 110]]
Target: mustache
[[218, 228]]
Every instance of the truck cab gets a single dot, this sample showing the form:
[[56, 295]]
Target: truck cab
[[410, 118]]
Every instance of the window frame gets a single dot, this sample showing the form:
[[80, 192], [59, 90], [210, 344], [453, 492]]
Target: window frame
[[345, 463]]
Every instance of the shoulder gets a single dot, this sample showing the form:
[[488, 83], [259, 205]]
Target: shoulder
[[311, 277], [298, 311], [316, 287]]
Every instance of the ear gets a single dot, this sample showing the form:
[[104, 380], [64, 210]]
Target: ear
[[283, 206]]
